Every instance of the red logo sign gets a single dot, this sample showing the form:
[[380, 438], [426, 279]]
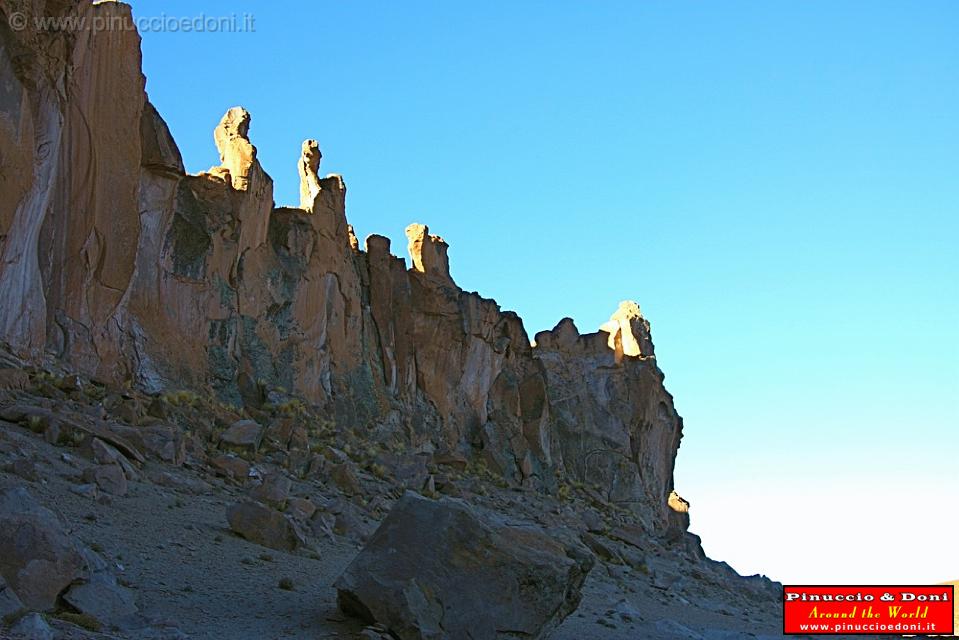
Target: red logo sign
[[888, 610]]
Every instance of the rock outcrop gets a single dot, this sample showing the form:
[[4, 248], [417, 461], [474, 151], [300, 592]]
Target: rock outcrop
[[121, 265], [478, 577], [309, 174]]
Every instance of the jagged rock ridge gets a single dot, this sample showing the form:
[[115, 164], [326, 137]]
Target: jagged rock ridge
[[117, 262]]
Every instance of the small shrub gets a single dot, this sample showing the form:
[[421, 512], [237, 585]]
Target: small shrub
[[81, 620], [13, 617], [35, 424], [286, 584]]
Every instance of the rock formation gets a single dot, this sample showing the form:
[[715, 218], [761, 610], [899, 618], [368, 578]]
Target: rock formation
[[428, 253], [309, 174], [119, 264]]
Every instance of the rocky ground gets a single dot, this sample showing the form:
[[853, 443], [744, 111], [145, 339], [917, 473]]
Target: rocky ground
[[143, 486]]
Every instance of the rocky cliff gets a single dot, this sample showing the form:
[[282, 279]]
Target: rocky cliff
[[118, 263]]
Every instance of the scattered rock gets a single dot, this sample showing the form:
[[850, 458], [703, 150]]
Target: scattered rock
[[627, 612], [103, 453], [108, 478], [183, 484], [474, 577], [342, 475], [376, 632], [231, 466], [262, 525], [164, 443], [243, 434], [24, 468], [673, 629], [274, 491], [86, 490], [37, 558], [322, 524], [348, 522], [408, 471], [594, 522], [301, 509]]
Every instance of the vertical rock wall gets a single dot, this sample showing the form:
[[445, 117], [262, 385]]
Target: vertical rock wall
[[116, 261]]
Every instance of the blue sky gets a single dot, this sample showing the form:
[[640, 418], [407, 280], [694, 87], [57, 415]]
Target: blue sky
[[775, 183]]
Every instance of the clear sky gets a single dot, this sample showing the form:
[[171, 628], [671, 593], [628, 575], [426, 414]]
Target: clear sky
[[777, 184]]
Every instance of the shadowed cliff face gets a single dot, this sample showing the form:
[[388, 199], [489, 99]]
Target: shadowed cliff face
[[117, 262]]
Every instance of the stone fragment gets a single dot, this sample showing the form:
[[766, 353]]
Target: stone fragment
[[89, 490], [24, 468], [244, 435], [593, 521], [349, 522], [108, 478], [263, 525], [164, 443], [273, 491], [103, 453], [231, 466], [343, 476], [300, 509], [182, 483]]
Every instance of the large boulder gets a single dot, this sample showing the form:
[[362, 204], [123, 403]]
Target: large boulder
[[439, 569], [37, 558]]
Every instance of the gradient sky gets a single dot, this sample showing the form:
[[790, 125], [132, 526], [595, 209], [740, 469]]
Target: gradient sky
[[777, 184]]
